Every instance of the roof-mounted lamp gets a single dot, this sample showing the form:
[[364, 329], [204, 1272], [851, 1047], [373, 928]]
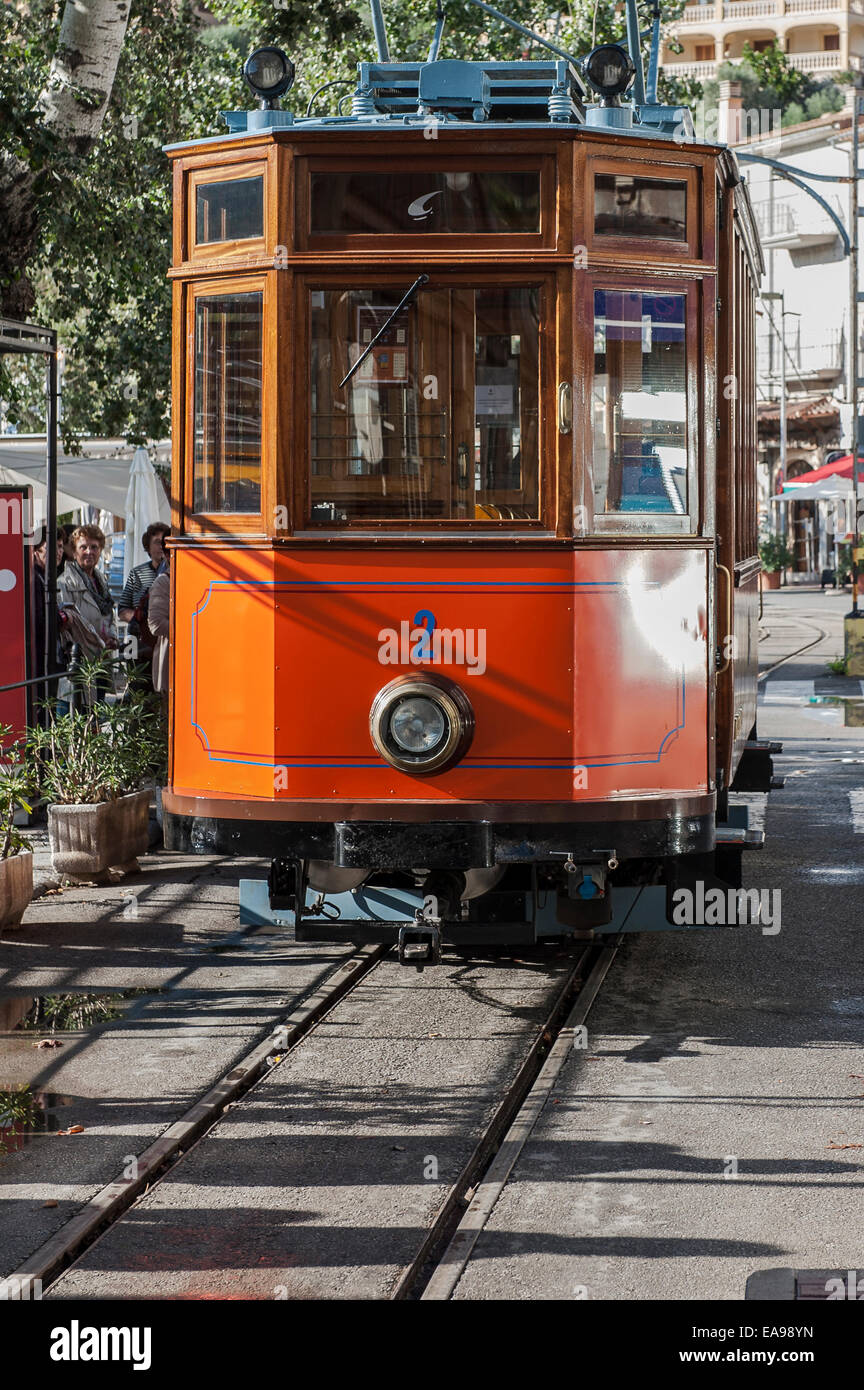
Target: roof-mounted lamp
[[609, 70], [269, 73]]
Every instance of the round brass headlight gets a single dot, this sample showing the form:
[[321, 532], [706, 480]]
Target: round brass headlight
[[421, 724]]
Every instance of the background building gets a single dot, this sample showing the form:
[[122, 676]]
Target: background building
[[820, 37], [805, 263]]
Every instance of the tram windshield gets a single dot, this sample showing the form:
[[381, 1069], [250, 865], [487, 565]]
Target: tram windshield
[[440, 421], [640, 402]]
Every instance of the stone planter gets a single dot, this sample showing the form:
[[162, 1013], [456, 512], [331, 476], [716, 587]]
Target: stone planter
[[16, 887], [770, 579], [87, 841]]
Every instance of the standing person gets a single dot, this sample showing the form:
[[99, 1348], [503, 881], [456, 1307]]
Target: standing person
[[142, 576], [86, 606], [158, 621], [39, 597], [133, 601], [68, 548]]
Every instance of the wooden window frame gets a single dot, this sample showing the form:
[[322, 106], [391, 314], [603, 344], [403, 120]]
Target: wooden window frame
[[227, 173], [514, 163], [660, 249], [232, 523], [468, 277], [635, 524]]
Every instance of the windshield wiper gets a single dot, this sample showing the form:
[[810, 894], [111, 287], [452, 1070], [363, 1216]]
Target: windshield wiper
[[406, 299]]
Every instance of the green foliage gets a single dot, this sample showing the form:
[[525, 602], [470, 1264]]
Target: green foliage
[[774, 553], [16, 793], [838, 667], [99, 751], [66, 1013], [17, 1106], [769, 82], [775, 73], [18, 1110]]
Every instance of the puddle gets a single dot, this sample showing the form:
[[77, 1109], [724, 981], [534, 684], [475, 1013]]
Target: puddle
[[26, 1114], [75, 1013], [853, 709]]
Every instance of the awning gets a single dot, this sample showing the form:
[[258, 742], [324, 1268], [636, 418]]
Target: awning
[[98, 480], [802, 490], [838, 468]]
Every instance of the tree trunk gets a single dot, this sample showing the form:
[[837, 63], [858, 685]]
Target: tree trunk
[[73, 107], [82, 73]]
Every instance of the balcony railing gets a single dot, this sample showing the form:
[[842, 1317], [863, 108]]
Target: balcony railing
[[697, 70], [804, 62], [750, 9], [774, 219], [802, 359], [820, 62], [698, 14], [758, 9]]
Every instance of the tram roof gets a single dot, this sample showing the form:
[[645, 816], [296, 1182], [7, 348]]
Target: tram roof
[[478, 96]]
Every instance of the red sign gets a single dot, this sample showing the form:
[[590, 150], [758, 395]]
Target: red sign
[[15, 614]]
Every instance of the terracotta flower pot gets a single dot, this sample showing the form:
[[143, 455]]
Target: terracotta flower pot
[[770, 579], [16, 887], [86, 841]]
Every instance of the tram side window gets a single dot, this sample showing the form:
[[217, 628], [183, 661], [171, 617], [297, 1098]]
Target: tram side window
[[227, 411], [230, 210], [631, 205], [440, 420], [640, 402]]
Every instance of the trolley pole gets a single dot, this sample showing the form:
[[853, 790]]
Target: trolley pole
[[853, 623]]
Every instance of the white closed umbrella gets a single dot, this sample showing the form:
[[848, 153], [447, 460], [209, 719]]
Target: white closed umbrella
[[145, 502]]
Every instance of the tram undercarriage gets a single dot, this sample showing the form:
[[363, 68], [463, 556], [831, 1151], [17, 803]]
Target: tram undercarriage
[[484, 883]]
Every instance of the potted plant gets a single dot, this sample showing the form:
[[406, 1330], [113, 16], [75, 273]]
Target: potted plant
[[775, 556], [16, 858], [94, 761]]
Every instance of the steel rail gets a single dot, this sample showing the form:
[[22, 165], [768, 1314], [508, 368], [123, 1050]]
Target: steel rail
[[99, 1214], [424, 1269], [452, 1263], [763, 675]]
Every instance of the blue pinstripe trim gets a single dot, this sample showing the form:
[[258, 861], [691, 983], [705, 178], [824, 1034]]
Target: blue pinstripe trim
[[380, 765]]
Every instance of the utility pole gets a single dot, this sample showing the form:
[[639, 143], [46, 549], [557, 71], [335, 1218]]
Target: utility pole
[[853, 336], [779, 295]]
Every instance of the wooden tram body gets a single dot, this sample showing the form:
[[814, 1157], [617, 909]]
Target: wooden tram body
[[536, 494]]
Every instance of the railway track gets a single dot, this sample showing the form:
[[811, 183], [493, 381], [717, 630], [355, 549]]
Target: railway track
[[805, 647], [69, 1264]]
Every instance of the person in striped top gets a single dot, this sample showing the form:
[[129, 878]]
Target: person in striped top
[[142, 576]]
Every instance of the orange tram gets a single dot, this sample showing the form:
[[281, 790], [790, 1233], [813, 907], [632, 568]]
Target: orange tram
[[464, 556]]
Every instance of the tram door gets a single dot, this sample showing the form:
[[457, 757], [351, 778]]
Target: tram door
[[439, 421]]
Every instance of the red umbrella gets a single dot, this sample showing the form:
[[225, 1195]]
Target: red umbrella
[[839, 468]]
